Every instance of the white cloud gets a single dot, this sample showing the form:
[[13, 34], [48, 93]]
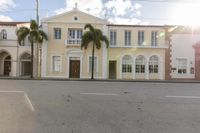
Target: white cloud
[[91, 6], [5, 18], [116, 11], [6, 4]]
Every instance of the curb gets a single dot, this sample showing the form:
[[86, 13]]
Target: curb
[[102, 80]]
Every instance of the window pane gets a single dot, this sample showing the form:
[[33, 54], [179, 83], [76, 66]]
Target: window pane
[[56, 63]]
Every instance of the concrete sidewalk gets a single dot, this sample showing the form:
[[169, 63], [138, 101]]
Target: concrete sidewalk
[[104, 80]]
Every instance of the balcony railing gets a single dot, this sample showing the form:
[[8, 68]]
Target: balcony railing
[[73, 42]]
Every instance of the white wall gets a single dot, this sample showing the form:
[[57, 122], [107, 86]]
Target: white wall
[[182, 47]]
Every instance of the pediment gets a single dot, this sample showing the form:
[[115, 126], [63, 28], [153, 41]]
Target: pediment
[[75, 16]]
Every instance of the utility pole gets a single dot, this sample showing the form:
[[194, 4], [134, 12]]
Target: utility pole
[[37, 11]]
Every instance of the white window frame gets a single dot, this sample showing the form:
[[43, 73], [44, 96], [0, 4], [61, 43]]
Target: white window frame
[[97, 64], [140, 65], [4, 35], [78, 32], [181, 66], [127, 64], [57, 33], [113, 38], [127, 37], [154, 38], [141, 37], [154, 64], [52, 64]]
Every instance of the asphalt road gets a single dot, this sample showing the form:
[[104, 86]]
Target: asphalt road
[[98, 107]]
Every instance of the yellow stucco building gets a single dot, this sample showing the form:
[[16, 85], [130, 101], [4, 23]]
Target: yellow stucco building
[[135, 51]]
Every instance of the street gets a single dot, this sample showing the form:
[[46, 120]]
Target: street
[[42, 106]]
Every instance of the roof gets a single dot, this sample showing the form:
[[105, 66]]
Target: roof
[[11, 23], [125, 25], [71, 11]]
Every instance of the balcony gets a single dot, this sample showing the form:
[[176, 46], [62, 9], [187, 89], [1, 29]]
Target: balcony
[[73, 42]]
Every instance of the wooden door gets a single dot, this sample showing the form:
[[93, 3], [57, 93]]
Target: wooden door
[[112, 69], [74, 69]]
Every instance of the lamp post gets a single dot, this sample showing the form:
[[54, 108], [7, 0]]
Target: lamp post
[[37, 11]]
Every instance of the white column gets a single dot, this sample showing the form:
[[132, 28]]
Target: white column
[[160, 70], [67, 66], [81, 66], [44, 53], [120, 68], [147, 70], [13, 69], [133, 68], [104, 55], [104, 62]]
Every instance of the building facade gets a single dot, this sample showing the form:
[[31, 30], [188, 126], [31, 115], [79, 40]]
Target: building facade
[[183, 53], [14, 58], [135, 51]]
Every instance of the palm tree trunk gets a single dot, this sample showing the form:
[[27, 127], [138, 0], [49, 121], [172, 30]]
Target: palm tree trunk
[[92, 73], [32, 56]]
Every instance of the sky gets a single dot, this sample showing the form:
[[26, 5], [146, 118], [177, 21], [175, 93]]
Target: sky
[[160, 12]]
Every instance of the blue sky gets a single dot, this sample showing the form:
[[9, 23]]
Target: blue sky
[[116, 11]]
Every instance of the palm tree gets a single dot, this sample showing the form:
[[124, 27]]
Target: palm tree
[[34, 35], [95, 37]]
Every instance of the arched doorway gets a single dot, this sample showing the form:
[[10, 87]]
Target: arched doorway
[[5, 63], [7, 66], [25, 64]]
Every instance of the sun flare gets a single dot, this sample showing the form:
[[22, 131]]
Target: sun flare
[[187, 14]]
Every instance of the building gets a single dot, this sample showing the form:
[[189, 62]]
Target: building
[[183, 58], [14, 59], [135, 51]]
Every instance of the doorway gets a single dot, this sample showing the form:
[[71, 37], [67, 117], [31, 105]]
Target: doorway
[[112, 69], [74, 69]]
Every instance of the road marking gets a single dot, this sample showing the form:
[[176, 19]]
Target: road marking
[[11, 91], [29, 102], [26, 97], [100, 94], [191, 97]]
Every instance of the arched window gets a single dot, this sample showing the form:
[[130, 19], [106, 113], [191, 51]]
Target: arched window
[[140, 64], [3, 34], [127, 64], [153, 64]]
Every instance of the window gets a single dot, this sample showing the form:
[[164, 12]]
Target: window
[[3, 34], [182, 66], [140, 38], [56, 63], [127, 37], [127, 64], [140, 64], [90, 64], [57, 33], [154, 40], [153, 64], [113, 35], [74, 36]]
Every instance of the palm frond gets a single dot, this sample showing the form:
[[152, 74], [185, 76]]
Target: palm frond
[[105, 39], [22, 33], [86, 39], [90, 27], [42, 36], [34, 25]]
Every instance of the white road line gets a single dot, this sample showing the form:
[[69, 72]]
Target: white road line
[[191, 97], [29, 102], [11, 91], [100, 94], [26, 97]]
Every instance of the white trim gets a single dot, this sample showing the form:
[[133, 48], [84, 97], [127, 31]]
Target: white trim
[[44, 53], [74, 53], [74, 11], [121, 59], [51, 67]]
